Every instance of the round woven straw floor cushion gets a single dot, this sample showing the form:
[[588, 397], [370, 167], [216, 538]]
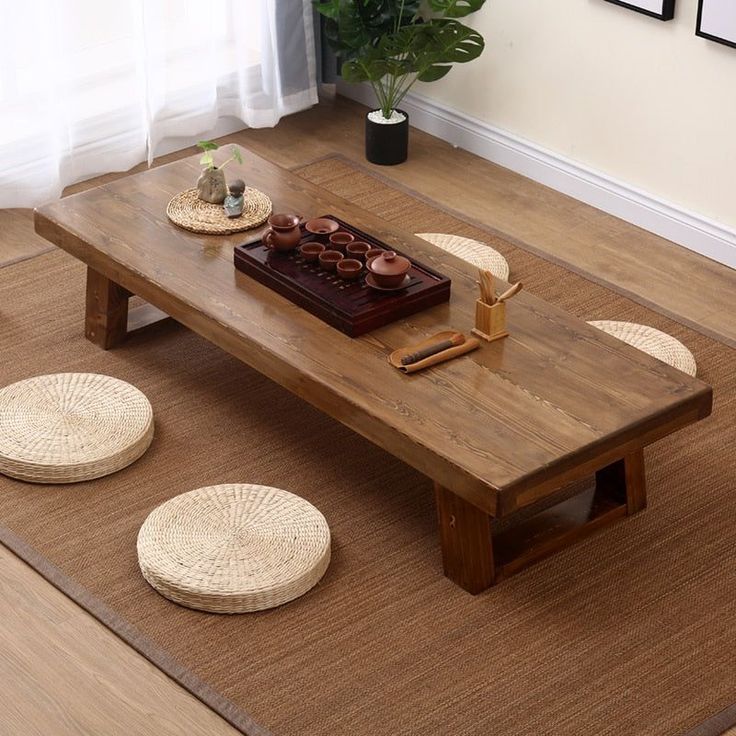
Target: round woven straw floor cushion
[[477, 254], [234, 548], [650, 340], [69, 427]]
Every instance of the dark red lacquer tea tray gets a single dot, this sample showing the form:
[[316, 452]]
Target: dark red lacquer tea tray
[[350, 306]]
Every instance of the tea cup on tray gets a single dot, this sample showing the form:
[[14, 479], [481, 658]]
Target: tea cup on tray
[[328, 259], [340, 239], [311, 251], [349, 269], [357, 249]]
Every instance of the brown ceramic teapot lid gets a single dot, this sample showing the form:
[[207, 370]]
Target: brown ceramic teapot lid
[[389, 264]]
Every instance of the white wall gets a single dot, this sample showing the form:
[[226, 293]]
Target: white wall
[[642, 101]]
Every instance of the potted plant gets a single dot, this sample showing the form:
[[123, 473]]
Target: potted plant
[[392, 44], [211, 185]]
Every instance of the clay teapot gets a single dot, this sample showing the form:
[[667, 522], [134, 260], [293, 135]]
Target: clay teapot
[[284, 233], [389, 269]]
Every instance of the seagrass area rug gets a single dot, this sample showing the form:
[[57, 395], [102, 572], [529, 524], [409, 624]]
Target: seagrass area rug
[[629, 633]]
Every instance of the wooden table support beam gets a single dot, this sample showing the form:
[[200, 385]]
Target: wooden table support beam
[[465, 536], [106, 320], [475, 558]]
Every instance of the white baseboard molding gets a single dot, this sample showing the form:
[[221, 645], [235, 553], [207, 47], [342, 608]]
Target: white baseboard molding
[[689, 229]]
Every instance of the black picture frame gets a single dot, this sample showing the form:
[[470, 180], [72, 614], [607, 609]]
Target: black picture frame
[[711, 37], [668, 9]]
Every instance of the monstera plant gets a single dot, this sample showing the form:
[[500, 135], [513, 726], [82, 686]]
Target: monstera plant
[[391, 44]]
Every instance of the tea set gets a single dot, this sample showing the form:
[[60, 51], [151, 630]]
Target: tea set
[[339, 251]]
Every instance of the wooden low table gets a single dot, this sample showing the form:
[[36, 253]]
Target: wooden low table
[[499, 430]]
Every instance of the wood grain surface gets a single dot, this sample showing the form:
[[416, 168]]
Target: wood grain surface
[[492, 427], [65, 674]]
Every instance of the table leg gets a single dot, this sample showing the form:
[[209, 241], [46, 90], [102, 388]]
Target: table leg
[[106, 322], [624, 481], [465, 535], [474, 558]]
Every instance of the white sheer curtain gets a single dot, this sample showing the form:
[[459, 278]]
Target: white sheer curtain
[[92, 86]]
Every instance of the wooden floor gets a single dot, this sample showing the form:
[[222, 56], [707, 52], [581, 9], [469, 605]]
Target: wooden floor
[[65, 674]]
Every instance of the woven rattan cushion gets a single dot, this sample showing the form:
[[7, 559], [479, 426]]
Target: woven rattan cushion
[[650, 340], [68, 427], [234, 548], [477, 254]]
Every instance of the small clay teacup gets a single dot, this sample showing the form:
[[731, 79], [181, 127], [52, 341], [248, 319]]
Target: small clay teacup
[[328, 259], [357, 249], [373, 253], [321, 228], [340, 239], [310, 251], [349, 269]]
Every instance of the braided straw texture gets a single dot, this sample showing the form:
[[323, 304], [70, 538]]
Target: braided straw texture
[[187, 210], [234, 548], [69, 427], [477, 254], [650, 340]]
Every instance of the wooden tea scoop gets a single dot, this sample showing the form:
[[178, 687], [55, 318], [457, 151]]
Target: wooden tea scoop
[[515, 289], [438, 347], [487, 292]]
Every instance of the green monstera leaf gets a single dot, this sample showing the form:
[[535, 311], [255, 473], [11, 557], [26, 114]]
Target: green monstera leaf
[[455, 8], [447, 42], [354, 24]]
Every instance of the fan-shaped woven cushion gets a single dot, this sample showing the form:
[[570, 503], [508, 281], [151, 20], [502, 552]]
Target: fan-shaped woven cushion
[[69, 427], [477, 254], [650, 340], [234, 548]]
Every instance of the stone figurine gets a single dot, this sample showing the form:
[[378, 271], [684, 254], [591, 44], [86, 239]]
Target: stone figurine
[[234, 202]]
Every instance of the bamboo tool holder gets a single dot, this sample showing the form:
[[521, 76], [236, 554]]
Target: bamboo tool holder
[[490, 311]]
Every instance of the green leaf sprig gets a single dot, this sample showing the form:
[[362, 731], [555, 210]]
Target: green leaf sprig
[[207, 159]]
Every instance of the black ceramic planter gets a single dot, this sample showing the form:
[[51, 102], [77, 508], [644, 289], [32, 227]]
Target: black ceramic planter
[[387, 143]]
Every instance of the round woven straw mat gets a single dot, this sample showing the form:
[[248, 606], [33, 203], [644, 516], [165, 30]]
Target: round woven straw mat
[[650, 340], [477, 254], [187, 210], [234, 548], [69, 427]]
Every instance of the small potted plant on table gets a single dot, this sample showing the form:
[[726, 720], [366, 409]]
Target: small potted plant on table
[[392, 44], [211, 185]]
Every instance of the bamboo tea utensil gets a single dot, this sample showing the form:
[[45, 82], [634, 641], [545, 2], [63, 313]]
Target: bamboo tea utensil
[[487, 289], [463, 347], [515, 289], [429, 350]]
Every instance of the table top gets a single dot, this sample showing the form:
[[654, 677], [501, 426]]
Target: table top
[[498, 427]]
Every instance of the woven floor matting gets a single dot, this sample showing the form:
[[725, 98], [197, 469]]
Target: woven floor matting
[[190, 212], [629, 633]]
